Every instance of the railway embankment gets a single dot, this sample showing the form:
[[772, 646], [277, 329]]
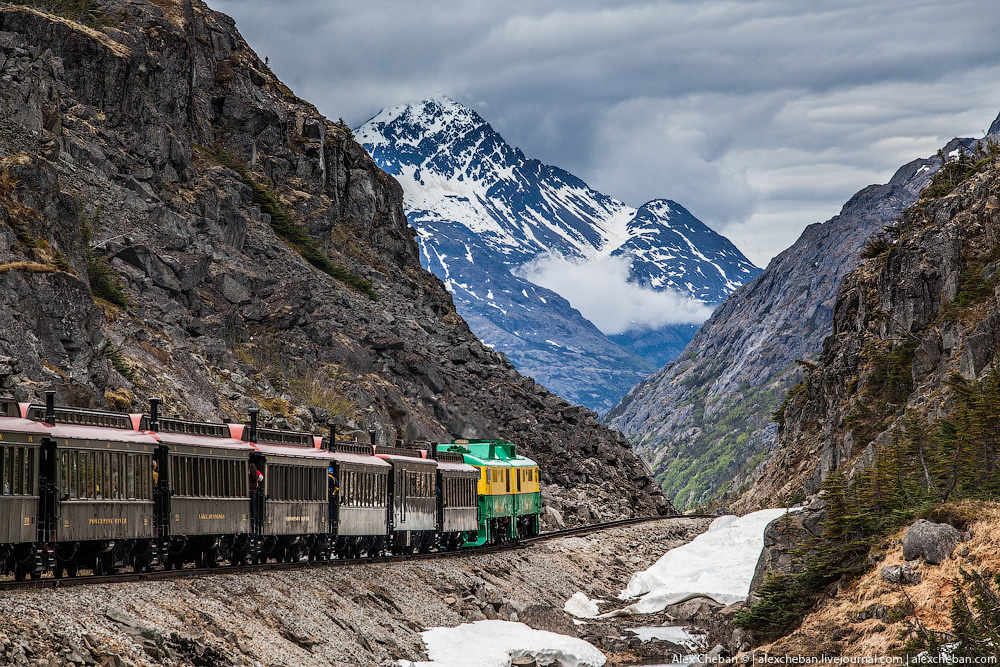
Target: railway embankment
[[363, 615]]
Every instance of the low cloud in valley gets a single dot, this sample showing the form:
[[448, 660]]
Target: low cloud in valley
[[601, 292]]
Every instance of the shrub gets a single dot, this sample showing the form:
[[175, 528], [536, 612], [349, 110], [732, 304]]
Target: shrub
[[104, 281], [876, 246]]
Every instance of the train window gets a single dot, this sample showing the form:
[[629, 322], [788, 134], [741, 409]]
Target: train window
[[64, 470], [69, 481], [97, 490], [130, 476], [16, 487], [104, 466], [12, 466], [112, 476], [98, 464], [85, 482], [80, 476]]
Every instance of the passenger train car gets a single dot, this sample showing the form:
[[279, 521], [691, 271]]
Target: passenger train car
[[96, 490]]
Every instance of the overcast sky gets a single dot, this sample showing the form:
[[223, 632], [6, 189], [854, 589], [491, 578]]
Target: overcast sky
[[760, 117]]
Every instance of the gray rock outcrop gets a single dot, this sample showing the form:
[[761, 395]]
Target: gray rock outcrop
[[933, 542], [910, 324], [908, 574]]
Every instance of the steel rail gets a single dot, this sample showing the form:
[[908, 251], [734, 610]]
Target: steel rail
[[155, 575]]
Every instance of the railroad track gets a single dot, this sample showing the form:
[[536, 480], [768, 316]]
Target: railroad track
[[52, 582]]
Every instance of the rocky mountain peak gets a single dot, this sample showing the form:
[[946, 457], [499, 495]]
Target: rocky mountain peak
[[489, 220]]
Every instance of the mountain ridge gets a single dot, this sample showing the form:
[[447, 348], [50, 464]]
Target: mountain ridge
[[464, 186], [704, 420]]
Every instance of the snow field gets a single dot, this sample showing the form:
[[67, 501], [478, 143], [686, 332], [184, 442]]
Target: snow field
[[718, 564], [496, 643]]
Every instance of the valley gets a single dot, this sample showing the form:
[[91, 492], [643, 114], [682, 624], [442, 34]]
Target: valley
[[176, 222]]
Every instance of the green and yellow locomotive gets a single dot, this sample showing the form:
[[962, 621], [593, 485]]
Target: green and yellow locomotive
[[509, 497]]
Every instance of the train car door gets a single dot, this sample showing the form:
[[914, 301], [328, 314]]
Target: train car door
[[47, 490]]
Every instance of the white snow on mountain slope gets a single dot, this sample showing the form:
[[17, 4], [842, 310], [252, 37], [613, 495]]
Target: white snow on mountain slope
[[487, 216], [456, 170]]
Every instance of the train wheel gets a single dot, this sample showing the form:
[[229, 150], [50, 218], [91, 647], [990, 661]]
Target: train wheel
[[71, 571], [20, 572], [58, 571]]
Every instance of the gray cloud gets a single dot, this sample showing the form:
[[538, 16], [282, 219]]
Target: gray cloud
[[758, 116], [601, 292]]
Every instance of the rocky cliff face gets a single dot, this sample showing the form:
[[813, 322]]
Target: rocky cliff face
[[176, 222], [704, 421], [908, 326]]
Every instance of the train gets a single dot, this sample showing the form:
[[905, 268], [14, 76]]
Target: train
[[102, 491]]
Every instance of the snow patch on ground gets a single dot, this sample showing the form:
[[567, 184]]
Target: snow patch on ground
[[718, 564], [581, 606], [672, 633], [496, 643]]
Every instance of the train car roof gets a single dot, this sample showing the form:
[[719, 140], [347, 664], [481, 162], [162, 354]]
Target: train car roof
[[405, 455], [291, 450], [351, 457], [200, 440], [491, 452], [447, 466], [74, 431]]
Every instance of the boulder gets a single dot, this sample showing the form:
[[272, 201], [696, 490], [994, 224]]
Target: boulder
[[908, 574], [931, 541], [549, 619]]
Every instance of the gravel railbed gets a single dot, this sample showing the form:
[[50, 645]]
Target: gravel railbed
[[357, 615]]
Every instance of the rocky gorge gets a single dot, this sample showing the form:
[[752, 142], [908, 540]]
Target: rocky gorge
[[176, 222]]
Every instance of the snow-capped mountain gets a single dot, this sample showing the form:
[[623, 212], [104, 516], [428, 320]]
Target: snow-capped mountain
[[483, 211]]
